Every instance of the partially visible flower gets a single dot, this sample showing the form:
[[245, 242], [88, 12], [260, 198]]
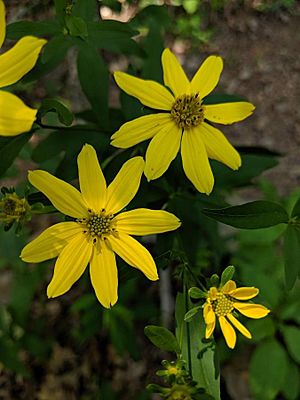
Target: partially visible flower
[[222, 302], [15, 116], [182, 121], [99, 230], [174, 371], [13, 209]]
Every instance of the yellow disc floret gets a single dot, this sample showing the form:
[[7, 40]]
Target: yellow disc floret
[[98, 225], [223, 304], [188, 111]]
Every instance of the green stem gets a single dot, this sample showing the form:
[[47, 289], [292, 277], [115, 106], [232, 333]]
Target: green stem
[[186, 302]]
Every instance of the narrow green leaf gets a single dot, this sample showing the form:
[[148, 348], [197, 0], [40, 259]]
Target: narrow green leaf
[[191, 313], [291, 386], [86, 9], [18, 29], [227, 274], [113, 36], [162, 338], [93, 76], [76, 26], [196, 293], [65, 116], [214, 280], [291, 252], [296, 209], [53, 54], [254, 215], [10, 147], [267, 370], [222, 98], [60, 8], [254, 162], [291, 336]]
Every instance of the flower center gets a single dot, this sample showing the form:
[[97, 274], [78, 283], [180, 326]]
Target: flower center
[[223, 304], [187, 111], [98, 225]]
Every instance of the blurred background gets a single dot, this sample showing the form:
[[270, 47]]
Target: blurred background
[[70, 348]]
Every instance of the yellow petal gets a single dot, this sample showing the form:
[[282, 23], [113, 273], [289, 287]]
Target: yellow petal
[[2, 23], [125, 185], [150, 93], [91, 179], [228, 332], [104, 276], [162, 150], [19, 60], [15, 116], [218, 147], [236, 323], [227, 113], [229, 286], [244, 293], [146, 222], [207, 76], [70, 265], [251, 310], [195, 161], [134, 254], [139, 129], [208, 314], [210, 329], [174, 76], [63, 196], [50, 242]]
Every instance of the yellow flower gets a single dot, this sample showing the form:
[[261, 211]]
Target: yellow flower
[[96, 233], [15, 116], [182, 122], [221, 303]]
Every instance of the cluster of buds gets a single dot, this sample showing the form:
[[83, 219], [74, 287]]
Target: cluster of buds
[[13, 209], [180, 384]]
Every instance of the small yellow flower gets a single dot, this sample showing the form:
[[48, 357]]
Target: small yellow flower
[[15, 116], [222, 302], [182, 122], [96, 233]]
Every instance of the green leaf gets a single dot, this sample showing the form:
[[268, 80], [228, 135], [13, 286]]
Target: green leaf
[[267, 370], [86, 9], [53, 54], [222, 98], [162, 338], [254, 215], [291, 385], [214, 280], [153, 46], [93, 76], [76, 26], [65, 116], [113, 36], [10, 147], [10, 356], [60, 8], [198, 354], [296, 209], [291, 252], [291, 336], [191, 313], [254, 162], [227, 274], [19, 29], [196, 293]]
